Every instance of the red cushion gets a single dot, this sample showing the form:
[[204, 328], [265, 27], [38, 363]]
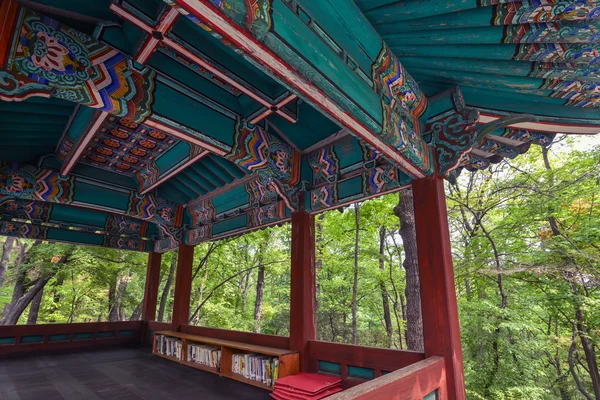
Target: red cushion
[[310, 383]]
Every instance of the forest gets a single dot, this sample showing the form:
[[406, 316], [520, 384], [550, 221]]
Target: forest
[[526, 248]]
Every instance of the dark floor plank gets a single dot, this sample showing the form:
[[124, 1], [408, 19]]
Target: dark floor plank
[[115, 373]]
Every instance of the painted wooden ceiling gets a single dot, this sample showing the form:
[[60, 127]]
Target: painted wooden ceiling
[[142, 124]]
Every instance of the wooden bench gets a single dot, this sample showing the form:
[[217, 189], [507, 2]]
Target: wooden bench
[[288, 360]]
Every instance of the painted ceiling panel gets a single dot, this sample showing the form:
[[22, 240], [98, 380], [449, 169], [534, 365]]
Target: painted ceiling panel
[[172, 65], [175, 114], [32, 128], [517, 56], [206, 175], [125, 147], [225, 56]]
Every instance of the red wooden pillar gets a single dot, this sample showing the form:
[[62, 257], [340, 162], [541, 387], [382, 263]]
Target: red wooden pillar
[[183, 287], [441, 329], [151, 289], [303, 302]]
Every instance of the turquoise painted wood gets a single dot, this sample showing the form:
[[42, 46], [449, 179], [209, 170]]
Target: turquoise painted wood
[[330, 368], [183, 123], [489, 47]]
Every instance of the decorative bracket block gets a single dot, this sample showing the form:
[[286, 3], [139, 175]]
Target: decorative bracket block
[[73, 66], [452, 133]]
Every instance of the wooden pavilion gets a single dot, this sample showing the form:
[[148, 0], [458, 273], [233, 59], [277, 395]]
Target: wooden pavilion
[[152, 125]]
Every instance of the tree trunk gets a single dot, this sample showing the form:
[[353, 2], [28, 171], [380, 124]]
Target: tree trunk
[[19, 287], [167, 288], [245, 287], [318, 255], [580, 385], [122, 283], [384, 293], [34, 310], [112, 302], [414, 323], [17, 309], [5, 259], [56, 296], [137, 313], [589, 351], [196, 319], [260, 287], [355, 275], [580, 319]]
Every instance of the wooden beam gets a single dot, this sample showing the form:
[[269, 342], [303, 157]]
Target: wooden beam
[[580, 128], [361, 356], [300, 46], [441, 330], [73, 157], [61, 337], [257, 339], [183, 287], [168, 175], [409, 383], [303, 326], [151, 287], [51, 187]]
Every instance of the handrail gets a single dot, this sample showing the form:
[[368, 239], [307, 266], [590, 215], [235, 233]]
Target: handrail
[[258, 339], [16, 339], [414, 382], [346, 356]]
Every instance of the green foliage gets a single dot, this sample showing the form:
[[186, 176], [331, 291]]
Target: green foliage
[[503, 241], [526, 249]]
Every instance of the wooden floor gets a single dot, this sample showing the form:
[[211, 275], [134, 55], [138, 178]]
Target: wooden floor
[[115, 373]]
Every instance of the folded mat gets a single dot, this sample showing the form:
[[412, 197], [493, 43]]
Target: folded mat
[[284, 394], [307, 384]]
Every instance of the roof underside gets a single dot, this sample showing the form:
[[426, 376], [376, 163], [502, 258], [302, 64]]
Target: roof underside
[[541, 57], [143, 124]]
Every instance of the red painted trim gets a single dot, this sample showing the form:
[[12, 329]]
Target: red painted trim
[[164, 25], [547, 126], [286, 116], [258, 339], [303, 303], [81, 145], [146, 50], [8, 20], [360, 356], [167, 21], [237, 233], [151, 287], [183, 287], [441, 330], [346, 203], [177, 170], [183, 136], [261, 116], [25, 96], [207, 12], [186, 53], [409, 383], [18, 331], [126, 15]]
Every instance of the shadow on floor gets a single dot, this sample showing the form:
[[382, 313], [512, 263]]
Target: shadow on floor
[[113, 373]]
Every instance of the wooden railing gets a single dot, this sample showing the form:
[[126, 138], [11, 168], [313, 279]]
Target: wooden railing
[[424, 380], [16, 339], [153, 326], [356, 364], [258, 339]]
